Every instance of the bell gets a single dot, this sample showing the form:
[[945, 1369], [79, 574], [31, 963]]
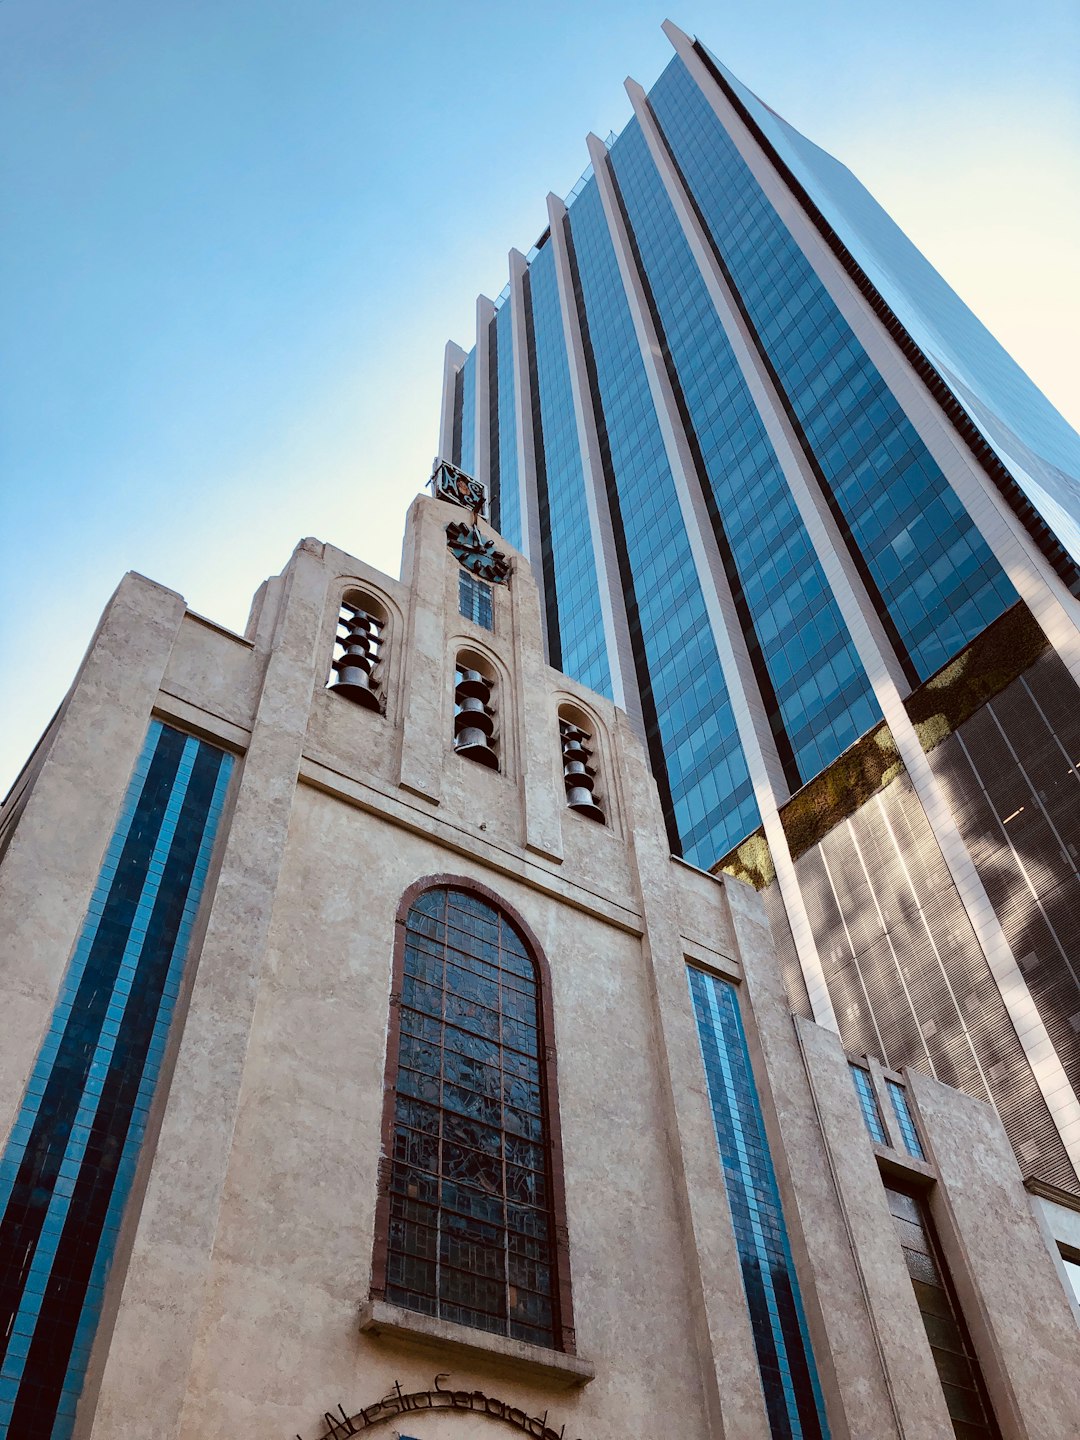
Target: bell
[[578, 774], [354, 681], [580, 799], [471, 683], [473, 715], [473, 744]]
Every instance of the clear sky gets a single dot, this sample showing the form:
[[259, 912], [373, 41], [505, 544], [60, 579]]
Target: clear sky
[[236, 234]]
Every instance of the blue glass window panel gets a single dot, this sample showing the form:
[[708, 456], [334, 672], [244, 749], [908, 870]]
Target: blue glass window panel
[[710, 785], [905, 1120], [786, 1364], [468, 413], [938, 581], [581, 629], [1035, 442], [68, 1168], [474, 600], [509, 493], [824, 698], [864, 1089]]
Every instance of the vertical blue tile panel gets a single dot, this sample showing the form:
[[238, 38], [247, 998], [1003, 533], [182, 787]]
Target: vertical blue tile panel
[[70, 1161], [789, 1377]]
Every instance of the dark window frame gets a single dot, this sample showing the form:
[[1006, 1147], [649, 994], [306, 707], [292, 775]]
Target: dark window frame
[[561, 1299], [919, 1195]]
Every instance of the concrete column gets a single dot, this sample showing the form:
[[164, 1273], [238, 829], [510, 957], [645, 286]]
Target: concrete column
[[876, 654], [543, 796], [485, 313], [715, 1298], [1057, 612], [523, 403], [893, 1333], [148, 1363], [755, 734], [453, 359], [620, 651], [424, 715], [51, 865], [1019, 1317]]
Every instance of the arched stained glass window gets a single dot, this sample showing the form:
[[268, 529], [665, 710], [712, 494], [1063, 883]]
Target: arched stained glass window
[[468, 1213]]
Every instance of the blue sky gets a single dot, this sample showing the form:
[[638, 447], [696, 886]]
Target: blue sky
[[235, 235]]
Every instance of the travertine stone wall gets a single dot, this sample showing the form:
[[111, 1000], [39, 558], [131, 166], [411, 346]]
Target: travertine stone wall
[[233, 1304]]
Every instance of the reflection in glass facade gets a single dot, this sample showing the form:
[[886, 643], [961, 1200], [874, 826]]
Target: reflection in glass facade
[[937, 581], [789, 1376], [471, 1222], [918, 560], [822, 701], [709, 785], [1039, 447], [69, 1165], [565, 526]]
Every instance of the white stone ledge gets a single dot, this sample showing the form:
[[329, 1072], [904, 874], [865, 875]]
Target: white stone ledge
[[504, 1355]]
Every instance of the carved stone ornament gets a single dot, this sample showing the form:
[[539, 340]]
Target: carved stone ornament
[[477, 553], [449, 483]]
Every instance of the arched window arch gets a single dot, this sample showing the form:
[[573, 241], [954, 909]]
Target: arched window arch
[[470, 1221]]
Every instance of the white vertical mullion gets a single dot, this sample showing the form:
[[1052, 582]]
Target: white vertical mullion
[[453, 359], [485, 312]]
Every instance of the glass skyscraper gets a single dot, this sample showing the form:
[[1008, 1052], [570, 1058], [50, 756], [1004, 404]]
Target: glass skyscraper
[[797, 512]]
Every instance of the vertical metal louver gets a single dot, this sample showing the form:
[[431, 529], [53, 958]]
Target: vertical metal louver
[[359, 643], [579, 774], [474, 717]]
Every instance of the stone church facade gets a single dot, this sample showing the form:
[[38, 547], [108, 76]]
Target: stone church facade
[[369, 1062]]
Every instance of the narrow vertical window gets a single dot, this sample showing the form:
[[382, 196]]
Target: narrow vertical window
[[864, 1089], [470, 1213], [957, 1366], [474, 600], [786, 1366], [905, 1120]]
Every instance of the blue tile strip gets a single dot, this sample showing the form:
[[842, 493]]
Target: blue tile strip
[[905, 1120], [68, 1168], [864, 1089], [789, 1377]]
